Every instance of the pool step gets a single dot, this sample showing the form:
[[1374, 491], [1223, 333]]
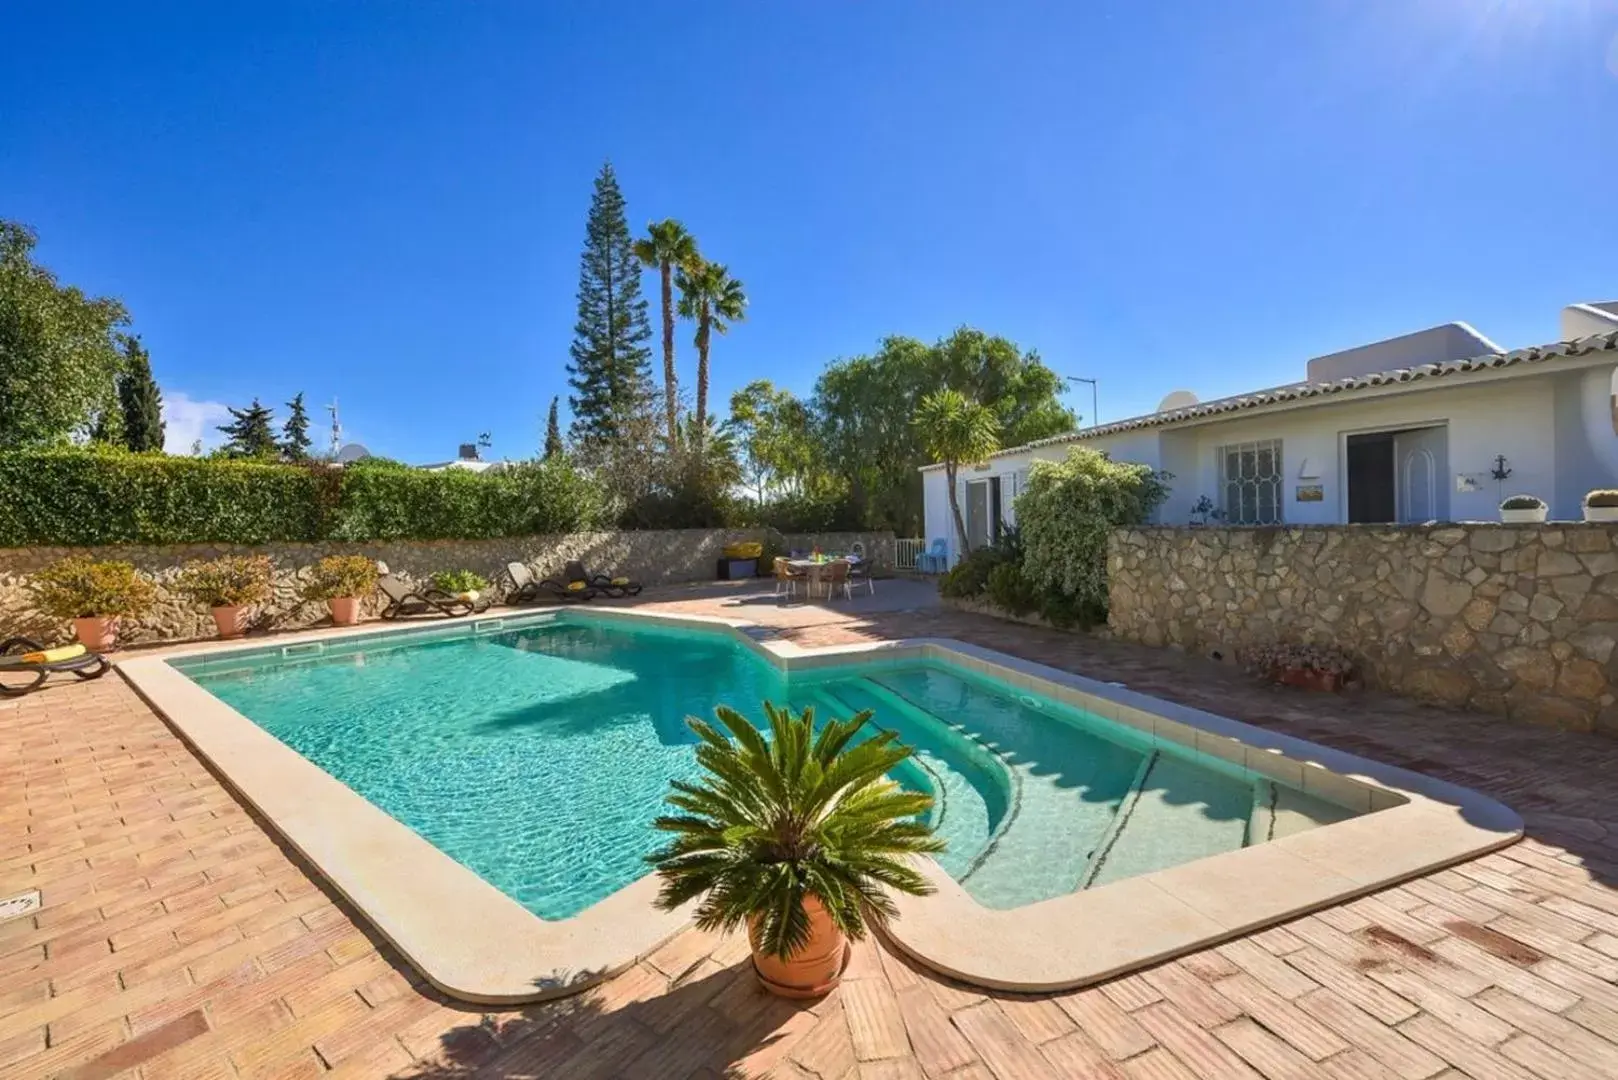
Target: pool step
[[1181, 812], [1280, 812]]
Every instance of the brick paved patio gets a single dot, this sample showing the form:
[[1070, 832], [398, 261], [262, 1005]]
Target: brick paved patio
[[177, 939]]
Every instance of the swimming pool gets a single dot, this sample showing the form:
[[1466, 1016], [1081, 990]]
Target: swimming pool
[[537, 753], [520, 759]]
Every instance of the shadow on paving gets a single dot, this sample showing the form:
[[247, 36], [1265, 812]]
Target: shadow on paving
[[714, 1023]]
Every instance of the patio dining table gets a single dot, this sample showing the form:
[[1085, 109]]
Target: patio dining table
[[811, 568]]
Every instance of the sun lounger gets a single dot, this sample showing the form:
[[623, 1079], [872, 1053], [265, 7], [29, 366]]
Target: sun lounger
[[611, 585], [407, 599], [19, 655], [526, 589]]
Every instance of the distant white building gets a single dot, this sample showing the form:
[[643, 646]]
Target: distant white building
[[467, 458], [1409, 429]]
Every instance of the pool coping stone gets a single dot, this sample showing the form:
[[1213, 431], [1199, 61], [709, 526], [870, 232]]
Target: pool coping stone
[[475, 943]]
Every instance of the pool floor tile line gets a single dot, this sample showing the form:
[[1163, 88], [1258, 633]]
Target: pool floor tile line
[[87, 770]]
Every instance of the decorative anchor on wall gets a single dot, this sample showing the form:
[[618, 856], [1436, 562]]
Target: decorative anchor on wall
[[1500, 471]]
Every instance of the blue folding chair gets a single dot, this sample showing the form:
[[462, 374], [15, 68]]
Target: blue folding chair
[[935, 560]]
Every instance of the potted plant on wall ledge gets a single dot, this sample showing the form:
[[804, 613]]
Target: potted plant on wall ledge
[[343, 582], [462, 584], [1523, 510], [797, 836], [95, 595], [1601, 505], [228, 587]]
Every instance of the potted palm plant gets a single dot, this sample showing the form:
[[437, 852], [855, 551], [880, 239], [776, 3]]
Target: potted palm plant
[[95, 595], [1601, 506], [798, 836], [343, 581], [228, 587]]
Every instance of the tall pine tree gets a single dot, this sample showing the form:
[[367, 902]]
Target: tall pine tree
[[249, 433], [140, 399], [611, 370], [295, 433], [553, 435]]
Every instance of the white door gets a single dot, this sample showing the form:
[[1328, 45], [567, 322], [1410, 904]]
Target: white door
[[1421, 461], [977, 513]]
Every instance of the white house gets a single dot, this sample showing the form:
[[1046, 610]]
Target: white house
[[1435, 425]]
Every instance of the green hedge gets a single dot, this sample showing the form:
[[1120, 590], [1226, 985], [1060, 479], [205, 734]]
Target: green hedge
[[82, 497]]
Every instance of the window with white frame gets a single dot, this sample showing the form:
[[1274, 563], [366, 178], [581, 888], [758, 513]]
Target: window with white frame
[[1250, 482]]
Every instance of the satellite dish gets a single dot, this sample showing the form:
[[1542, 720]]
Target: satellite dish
[[352, 452], [1178, 399]]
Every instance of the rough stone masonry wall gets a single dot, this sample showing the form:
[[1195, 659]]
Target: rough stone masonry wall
[[654, 557], [1513, 619]]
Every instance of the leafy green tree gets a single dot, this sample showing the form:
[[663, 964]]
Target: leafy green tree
[[140, 399], [714, 299], [956, 431], [775, 440], [108, 429], [553, 435], [667, 247], [59, 354], [865, 405], [295, 432], [611, 365], [250, 433], [719, 460]]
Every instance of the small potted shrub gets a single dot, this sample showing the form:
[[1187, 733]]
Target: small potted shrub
[[1601, 506], [343, 581], [462, 584], [95, 595], [1523, 510], [1308, 667], [795, 835], [228, 587]]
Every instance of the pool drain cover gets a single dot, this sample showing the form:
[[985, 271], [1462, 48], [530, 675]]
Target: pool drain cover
[[13, 906]]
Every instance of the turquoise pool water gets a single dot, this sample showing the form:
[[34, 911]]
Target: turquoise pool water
[[537, 755]]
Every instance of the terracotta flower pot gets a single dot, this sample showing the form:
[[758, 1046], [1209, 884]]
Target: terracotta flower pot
[[1309, 679], [97, 632], [813, 970], [345, 610], [231, 620]]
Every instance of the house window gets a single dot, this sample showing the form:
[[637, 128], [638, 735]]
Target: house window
[[1250, 482]]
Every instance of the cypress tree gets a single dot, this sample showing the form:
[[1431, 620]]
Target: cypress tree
[[295, 433], [553, 434], [249, 432], [140, 399], [611, 370]]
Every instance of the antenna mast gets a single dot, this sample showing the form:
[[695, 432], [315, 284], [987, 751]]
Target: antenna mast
[[336, 429]]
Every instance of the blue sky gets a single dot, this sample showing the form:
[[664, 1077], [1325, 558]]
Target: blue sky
[[384, 203]]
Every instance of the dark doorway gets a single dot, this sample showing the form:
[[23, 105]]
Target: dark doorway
[[1371, 496]]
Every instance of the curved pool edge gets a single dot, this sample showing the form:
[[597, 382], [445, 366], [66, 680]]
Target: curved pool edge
[[474, 943], [466, 937]]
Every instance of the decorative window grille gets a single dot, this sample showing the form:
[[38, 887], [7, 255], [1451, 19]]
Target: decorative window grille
[[1250, 482]]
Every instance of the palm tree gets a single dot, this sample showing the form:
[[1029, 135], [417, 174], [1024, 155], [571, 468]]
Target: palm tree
[[666, 246], [956, 430], [784, 828], [711, 296]]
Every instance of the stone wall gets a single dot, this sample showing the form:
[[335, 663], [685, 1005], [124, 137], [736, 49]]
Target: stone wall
[[654, 557], [1513, 619]]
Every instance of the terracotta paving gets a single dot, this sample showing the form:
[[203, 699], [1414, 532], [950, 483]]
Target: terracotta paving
[[178, 939]]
